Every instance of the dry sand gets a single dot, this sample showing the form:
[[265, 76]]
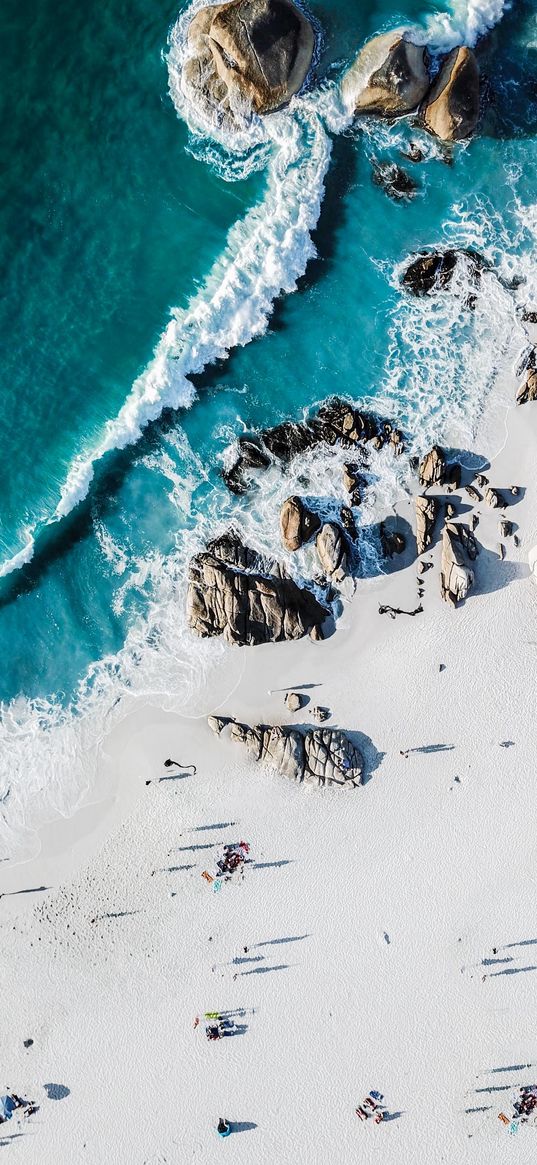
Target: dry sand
[[370, 917]]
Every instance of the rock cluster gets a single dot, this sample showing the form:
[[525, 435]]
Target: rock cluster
[[390, 78], [456, 577], [528, 390], [318, 756], [246, 55], [336, 423], [331, 545], [232, 592]]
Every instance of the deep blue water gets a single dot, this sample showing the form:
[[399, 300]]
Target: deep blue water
[[114, 214]]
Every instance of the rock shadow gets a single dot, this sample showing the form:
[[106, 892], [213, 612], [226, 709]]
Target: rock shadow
[[370, 753], [242, 1126], [57, 1091]]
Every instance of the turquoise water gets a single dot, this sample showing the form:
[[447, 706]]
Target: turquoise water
[[115, 213]]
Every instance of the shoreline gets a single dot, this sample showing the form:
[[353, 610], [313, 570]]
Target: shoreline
[[358, 951]]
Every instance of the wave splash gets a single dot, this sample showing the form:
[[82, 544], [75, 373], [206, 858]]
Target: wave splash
[[465, 24]]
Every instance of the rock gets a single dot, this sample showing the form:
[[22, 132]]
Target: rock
[[450, 510], [474, 521], [501, 551], [392, 541], [494, 498], [434, 271], [451, 110], [294, 701], [389, 76], [287, 440], [348, 523], [246, 55], [472, 493], [432, 468], [354, 482], [426, 513], [516, 540], [217, 723], [481, 480], [320, 756], [413, 152], [515, 491], [505, 528], [297, 523], [321, 714], [396, 442], [232, 593], [394, 180], [529, 316], [528, 390], [332, 551], [456, 578]]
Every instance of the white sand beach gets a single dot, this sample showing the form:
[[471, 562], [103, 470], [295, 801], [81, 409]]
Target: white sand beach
[[383, 938]]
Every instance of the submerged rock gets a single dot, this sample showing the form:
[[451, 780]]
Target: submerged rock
[[297, 523], [389, 76], [434, 271], [426, 514], [232, 593], [246, 55], [456, 577], [394, 180], [451, 110], [318, 756]]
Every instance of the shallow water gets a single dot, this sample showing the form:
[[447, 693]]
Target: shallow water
[[116, 212]]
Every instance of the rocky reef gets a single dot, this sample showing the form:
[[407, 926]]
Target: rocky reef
[[316, 756]]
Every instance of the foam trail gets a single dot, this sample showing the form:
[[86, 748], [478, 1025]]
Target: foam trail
[[467, 21]]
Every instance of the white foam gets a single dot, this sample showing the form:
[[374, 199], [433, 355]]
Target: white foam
[[465, 23]]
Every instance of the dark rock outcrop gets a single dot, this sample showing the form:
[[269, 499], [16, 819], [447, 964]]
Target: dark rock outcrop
[[297, 523], [392, 541], [246, 55], [456, 577], [318, 756], [426, 514], [494, 498], [433, 467], [336, 423], [451, 110], [394, 180], [232, 592], [388, 78], [434, 271]]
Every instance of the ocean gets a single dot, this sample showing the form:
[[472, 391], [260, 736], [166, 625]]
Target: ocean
[[166, 290]]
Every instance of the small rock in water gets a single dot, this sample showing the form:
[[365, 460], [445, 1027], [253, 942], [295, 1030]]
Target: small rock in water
[[294, 701]]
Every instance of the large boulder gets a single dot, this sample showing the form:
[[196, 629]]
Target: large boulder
[[247, 55], [433, 467], [319, 756], [331, 546], [389, 76], [456, 577], [232, 592], [426, 513], [297, 523], [451, 110]]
